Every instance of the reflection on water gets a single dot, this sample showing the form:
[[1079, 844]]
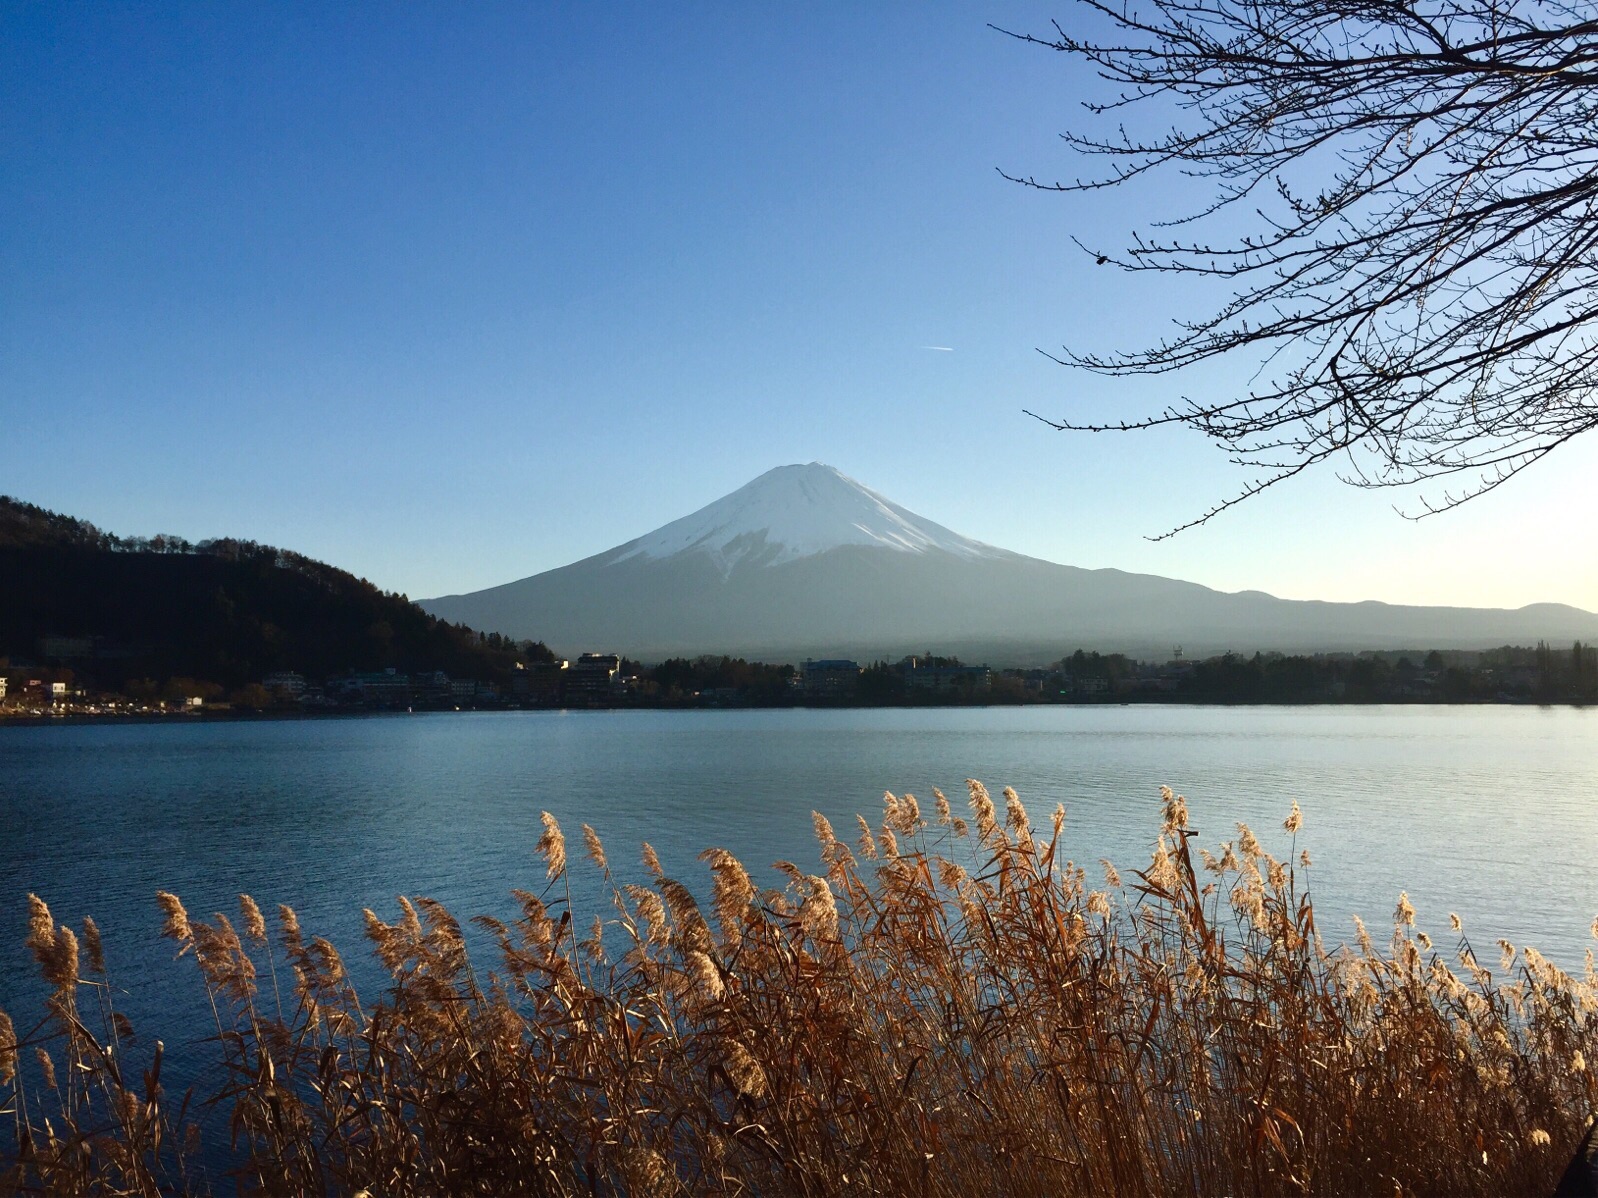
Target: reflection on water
[[1489, 812]]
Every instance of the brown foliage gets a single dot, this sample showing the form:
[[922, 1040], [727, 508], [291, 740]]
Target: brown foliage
[[959, 1015]]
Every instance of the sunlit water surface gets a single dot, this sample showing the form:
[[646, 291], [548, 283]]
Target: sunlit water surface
[[1488, 812]]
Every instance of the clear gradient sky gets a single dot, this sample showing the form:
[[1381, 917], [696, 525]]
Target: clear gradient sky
[[451, 294]]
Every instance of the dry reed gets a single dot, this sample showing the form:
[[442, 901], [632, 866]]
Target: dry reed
[[957, 1014]]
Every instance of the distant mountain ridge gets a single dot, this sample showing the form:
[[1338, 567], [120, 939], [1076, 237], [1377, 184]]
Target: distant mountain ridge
[[804, 561]]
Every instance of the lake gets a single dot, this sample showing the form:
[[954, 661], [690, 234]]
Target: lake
[[1487, 811]]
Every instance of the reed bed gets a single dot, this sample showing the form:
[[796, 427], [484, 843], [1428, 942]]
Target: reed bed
[[946, 1007]]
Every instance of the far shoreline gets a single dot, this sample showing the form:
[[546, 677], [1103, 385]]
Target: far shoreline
[[44, 719]]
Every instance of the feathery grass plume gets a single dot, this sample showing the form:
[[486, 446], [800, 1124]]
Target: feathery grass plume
[[652, 911], [41, 925], [946, 814], [867, 842], [887, 842], [1015, 816], [46, 1064], [890, 809], [1303, 858], [289, 928], [44, 942], [651, 860], [744, 1071], [689, 930], [8, 1049], [1058, 820], [1404, 913], [176, 925], [707, 978], [596, 848], [66, 959], [551, 846], [1173, 808], [911, 811], [981, 808], [1162, 872], [1246, 842], [1275, 874], [1294, 820], [1362, 937], [951, 875], [1507, 954], [818, 913], [731, 892], [392, 948], [92, 946], [254, 921], [825, 836], [54, 948], [410, 923], [1112, 878]]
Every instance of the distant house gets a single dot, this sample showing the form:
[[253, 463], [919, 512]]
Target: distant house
[[832, 678], [2, 686]]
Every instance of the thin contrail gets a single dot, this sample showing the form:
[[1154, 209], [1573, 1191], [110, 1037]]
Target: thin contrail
[[942, 349]]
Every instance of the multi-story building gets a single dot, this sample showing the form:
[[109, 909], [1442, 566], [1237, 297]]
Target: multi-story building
[[831, 678], [387, 688], [589, 678], [920, 675], [285, 682], [542, 682]]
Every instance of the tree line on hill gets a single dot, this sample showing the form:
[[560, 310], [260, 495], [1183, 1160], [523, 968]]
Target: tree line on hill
[[131, 612]]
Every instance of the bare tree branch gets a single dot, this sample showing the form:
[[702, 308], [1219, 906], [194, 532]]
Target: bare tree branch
[[1417, 185]]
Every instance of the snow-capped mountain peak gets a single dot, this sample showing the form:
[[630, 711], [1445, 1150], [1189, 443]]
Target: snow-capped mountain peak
[[798, 511]]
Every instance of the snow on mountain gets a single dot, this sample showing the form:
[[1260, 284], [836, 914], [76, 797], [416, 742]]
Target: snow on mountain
[[794, 512], [806, 562]]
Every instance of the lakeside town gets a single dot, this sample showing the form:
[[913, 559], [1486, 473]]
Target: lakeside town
[[53, 689]]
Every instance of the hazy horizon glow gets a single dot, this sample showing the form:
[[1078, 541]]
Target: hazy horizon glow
[[449, 297]]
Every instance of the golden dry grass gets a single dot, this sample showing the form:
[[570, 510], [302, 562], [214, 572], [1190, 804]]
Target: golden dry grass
[[947, 1008]]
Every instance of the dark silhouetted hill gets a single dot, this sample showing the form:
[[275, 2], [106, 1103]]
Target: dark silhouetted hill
[[226, 611]]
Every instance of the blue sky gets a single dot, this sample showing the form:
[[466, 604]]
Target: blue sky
[[448, 295]]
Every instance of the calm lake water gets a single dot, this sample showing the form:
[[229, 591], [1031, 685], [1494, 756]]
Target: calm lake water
[[1490, 812]]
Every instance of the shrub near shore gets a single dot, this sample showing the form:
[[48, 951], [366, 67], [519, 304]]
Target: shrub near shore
[[949, 1007]]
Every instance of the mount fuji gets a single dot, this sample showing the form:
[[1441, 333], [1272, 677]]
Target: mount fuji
[[805, 561]]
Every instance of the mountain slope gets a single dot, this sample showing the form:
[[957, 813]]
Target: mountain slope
[[222, 611], [804, 561]]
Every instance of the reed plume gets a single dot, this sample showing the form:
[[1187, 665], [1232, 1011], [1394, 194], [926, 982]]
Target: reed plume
[[955, 1012]]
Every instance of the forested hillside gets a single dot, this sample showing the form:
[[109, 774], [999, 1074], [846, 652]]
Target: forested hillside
[[226, 611]]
